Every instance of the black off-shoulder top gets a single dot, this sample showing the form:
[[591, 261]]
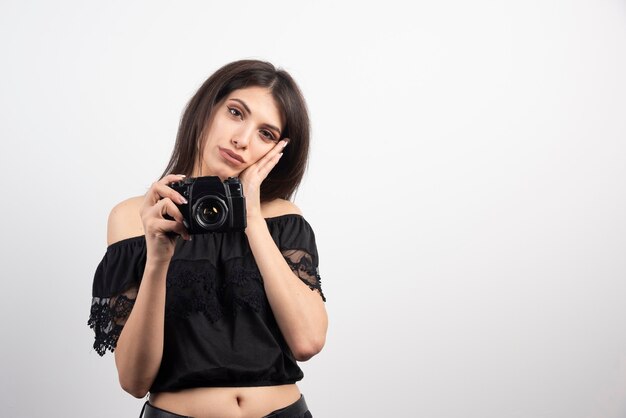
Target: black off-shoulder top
[[219, 327]]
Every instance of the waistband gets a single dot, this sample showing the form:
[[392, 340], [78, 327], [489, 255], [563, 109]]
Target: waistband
[[298, 409]]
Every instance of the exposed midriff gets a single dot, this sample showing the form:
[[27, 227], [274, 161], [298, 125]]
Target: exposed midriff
[[227, 402]]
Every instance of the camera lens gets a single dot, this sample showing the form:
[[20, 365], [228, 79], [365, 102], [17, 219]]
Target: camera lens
[[210, 212]]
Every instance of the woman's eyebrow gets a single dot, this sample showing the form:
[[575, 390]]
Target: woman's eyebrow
[[245, 106]]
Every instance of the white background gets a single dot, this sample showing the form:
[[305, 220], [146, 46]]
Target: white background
[[466, 185]]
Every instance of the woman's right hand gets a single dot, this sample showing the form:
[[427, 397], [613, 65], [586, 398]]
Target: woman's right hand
[[160, 232]]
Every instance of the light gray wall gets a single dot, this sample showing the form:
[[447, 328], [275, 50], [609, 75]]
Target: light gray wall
[[466, 186]]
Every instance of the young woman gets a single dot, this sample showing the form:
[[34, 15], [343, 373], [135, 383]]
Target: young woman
[[212, 325]]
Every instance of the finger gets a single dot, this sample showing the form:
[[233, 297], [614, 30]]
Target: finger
[[178, 228], [268, 166], [171, 178], [167, 182], [165, 191], [167, 215], [161, 189], [171, 227], [165, 207], [271, 155]]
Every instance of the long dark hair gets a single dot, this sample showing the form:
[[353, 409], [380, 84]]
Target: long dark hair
[[286, 176]]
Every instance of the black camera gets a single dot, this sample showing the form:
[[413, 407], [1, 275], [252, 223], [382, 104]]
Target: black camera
[[212, 205]]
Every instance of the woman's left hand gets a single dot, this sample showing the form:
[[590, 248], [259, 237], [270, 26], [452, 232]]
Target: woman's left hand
[[252, 177]]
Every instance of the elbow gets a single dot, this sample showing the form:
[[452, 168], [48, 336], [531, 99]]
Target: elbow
[[136, 391], [132, 385], [305, 351], [130, 382]]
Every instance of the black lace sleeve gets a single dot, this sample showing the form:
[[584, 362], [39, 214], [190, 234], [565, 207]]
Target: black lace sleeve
[[296, 240], [115, 287], [301, 262]]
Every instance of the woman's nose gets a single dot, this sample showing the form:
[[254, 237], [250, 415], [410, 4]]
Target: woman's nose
[[242, 138]]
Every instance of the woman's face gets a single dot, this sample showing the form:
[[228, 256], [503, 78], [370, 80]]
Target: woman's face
[[244, 127]]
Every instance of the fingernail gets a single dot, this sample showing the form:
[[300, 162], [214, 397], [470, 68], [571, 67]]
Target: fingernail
[[280, 155], [286, 142], [183, 200]]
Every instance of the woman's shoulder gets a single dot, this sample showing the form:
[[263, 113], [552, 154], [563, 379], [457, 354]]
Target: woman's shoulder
[[125, 220], [279, 207]]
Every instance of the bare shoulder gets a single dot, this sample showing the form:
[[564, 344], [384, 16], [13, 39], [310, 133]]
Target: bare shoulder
[[124, 220], [279, 207]]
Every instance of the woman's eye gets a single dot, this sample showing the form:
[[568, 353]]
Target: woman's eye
[[234, 112], [268, 135]]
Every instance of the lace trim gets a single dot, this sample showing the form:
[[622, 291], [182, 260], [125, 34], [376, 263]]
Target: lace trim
[[107, 318], [243, 287], [188, 291], [301, 263], [196, 286], [192, 287]]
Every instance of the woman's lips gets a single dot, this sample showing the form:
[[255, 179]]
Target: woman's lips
[[231, 157]]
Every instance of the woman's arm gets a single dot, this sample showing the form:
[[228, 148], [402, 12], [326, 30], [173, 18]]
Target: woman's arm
[[299, 311], [139, 348]]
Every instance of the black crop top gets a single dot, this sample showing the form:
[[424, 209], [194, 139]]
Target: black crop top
[[219, 327]]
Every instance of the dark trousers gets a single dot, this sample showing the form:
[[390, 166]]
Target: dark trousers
[[298, 409]]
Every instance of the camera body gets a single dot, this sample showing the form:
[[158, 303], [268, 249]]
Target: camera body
[[213, 205]]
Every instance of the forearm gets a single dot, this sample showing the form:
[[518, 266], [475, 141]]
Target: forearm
[[299, 311], [140, 346]]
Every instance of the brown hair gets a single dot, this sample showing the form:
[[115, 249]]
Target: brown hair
[[286, 176]]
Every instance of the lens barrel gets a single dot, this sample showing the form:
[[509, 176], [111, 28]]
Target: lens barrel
[[210, 212]]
